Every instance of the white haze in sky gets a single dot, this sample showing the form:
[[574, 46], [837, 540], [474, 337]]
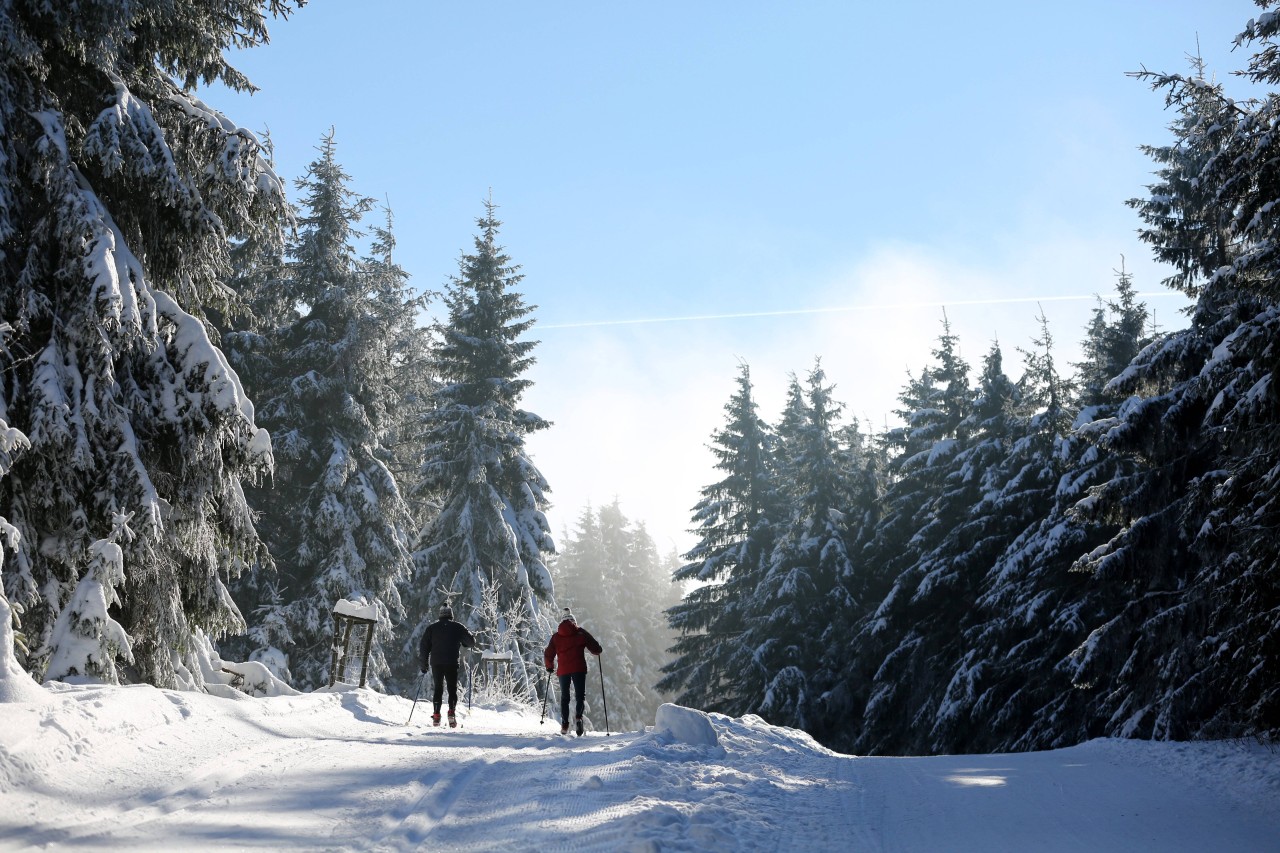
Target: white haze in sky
[[635, 400]]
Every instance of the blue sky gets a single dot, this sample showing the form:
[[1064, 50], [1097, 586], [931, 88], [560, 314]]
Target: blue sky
[[673, 160]]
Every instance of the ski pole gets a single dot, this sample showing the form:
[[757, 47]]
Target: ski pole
[[471, 683], [416, 696], [603, 698], [545, 691]]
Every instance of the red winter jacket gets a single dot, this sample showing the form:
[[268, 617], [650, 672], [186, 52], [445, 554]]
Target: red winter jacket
[[568, 643]]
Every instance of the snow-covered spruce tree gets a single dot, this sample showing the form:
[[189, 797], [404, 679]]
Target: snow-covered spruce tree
[[736, 521], [930, 600], [1034, 611], [1117, 332], [491, 529], [936, 409], [1017, 477], [964, 532], [87, 641], [333, 519], [261, 305], [119, 192], [408, 352], [838, 694], [804, 584], [1186, 651]]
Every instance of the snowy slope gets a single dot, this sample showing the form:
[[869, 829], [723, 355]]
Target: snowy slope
[[138, 768]]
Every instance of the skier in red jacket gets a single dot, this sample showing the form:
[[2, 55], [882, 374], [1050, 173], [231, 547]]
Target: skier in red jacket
[[568, 644]]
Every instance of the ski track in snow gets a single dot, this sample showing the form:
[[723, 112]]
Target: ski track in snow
[[136, 768]]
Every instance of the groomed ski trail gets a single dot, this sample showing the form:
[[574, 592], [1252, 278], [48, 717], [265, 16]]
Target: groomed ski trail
[[605, 793], [143, 769]]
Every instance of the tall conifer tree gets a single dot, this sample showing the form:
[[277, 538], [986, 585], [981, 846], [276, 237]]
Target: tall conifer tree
[[1015, 456], [119, 193], [491, 530], [966, 531], [804, 586], [1195, 562], [1034, 611], [936, 408], [736, 521], [334, 518], [839, 693], [407, 343]]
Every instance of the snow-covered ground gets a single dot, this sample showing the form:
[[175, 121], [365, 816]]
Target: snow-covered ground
[[135, 768]]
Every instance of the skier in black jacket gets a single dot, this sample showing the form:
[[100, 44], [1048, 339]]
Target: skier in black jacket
[[441, 644]]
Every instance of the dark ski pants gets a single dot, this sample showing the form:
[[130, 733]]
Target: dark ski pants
[[440, 674], [579, 682]]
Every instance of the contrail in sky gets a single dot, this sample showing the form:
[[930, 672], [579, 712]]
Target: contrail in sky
[[833, 310]]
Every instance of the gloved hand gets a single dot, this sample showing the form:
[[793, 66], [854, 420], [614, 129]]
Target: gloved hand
[[423, 670], [551, 669]]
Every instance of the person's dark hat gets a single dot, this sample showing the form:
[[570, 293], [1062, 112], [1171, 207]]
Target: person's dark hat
[[446, 611]]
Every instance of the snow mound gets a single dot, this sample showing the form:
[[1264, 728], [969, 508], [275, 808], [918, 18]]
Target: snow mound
[[685, 725], [15, 684], [256, 679]]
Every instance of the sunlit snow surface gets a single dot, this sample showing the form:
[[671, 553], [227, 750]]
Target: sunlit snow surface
[[137, 768]]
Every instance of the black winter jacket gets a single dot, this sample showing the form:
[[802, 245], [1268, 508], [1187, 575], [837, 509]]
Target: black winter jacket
[[442, 642]]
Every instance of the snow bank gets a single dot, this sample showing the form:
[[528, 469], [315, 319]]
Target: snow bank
[[256, 679], [15, 684], [685, 725], [234, 680]]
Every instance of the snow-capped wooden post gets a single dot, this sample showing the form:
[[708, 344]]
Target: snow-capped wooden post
[[353, 623]]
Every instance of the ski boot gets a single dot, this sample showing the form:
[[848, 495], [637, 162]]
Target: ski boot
[[453, 720], [564, 727], [435, 718], [579, 725]]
